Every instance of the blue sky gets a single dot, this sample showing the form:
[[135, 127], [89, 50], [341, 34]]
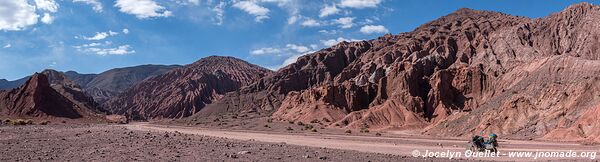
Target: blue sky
[[91, 36]]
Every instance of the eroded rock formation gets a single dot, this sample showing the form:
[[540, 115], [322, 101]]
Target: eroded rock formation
[[464, 73]]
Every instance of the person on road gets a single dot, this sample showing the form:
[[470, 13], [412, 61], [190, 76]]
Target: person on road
[[493, 140]]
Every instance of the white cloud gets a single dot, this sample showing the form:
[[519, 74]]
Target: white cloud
[[367, 21], [194, 2], [99, 49], [328, 10], [292, 59], [289, 53], [189, 2], [332, 42], [219, 12], [280, 3], [121, 50], [331, 32], [94, 44], [311, 23], [345, 22], [252, 8], [16, 15], [369, 29], [125, 31], [293, 19], [7, 46], [46, 5], [287, 50], [265, 51], [96, 5], [101, 35], [297, 48], [142, 9], [360, 3], [111, 33], [47, 19], [98, 36]]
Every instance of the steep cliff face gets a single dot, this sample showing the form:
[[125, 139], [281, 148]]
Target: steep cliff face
[[185, 91], [36, 98], [467, 72]]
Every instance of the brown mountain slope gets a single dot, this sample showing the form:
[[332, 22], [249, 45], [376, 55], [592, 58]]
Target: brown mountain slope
[[464, 73], [36, 98], [184, 91], [113, 82], [71, 90]]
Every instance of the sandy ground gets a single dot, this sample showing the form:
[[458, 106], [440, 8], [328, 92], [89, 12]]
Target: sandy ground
[[154, 142], [139, 142], [397, 145]]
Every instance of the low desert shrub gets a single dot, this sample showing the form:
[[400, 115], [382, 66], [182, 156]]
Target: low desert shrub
[[45, 122], [21, 122], [364, 130], [308, 126]]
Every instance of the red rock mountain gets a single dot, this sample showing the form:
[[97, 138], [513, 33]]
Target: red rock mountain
[[464, 73], [185, 91], [37, 98]]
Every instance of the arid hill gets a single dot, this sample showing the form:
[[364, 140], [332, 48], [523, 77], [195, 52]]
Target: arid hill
[[462, 74], [38, 99], [107, 84], [113, 82], [71, 90], [185, 91]]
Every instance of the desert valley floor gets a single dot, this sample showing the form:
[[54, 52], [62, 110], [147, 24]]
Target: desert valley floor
[[156, 142]]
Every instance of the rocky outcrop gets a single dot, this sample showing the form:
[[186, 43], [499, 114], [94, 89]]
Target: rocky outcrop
[[37, 98], [464, 73], [185, 91]]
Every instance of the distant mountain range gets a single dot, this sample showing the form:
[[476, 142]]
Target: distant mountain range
[[141, 92], [5, 84], [107, 84], [184, 91]]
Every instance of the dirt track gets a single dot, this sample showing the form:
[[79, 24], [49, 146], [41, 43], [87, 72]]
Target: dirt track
[[387, 145]]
